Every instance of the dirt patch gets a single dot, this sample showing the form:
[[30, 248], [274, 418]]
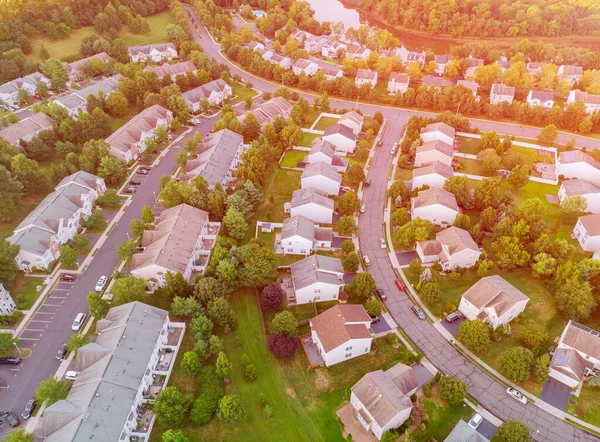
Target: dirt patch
[[323, 381], [290, 392]]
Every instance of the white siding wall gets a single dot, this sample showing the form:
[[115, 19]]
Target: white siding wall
[[433, 180], [508, 316], [319, 157], [579, 170], [588, 243], [342, 144], [563, 378], [437, 135], [467, 309], [321, 183], [437, 214], [431, 156], [318, 292], [464, 259], [314, 212], [351, 349], [296, 245]]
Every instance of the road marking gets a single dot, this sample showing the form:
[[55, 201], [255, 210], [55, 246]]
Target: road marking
[[56, 297], [15, 369], [30, 339], [44, 313], [37, 320], [6, 388], [62, 290]]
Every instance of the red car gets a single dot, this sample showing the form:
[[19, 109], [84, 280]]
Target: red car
[[400, 284], [67, 277]]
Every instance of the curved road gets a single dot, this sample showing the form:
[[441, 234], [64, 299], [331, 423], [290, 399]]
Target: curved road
[[483, 388]]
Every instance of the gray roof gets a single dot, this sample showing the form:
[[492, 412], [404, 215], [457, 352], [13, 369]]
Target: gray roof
[[323, 169], [27, 126], [215, 156], [203, 92], [340, 129], [70, 101], [319, 145], [317, 268], [106, 86], [462, 432], [161, 47], [98, 405], [298, 225], [8, 88], [301, 197]]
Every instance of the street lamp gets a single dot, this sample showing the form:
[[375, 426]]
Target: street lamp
[[17, 347]]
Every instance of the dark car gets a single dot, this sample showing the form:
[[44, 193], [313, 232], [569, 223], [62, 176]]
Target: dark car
[[135, 182], [28, 411], [11, 419], [400, 285], [381, 294], [130, 190], [68, 277], [417, 311], [148, 168], [374, 319], [454, 316], [62, 351], [10, 360]]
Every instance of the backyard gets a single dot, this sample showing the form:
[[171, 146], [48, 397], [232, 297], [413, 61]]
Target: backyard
[[324, 122], [242, 93], [587, 405], [291, 158], [307, 139]]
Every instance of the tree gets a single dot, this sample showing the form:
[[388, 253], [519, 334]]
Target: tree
[[399, 189], [127, 249], [190, 362], [8, 267], [540, 368], [235, 224], [474, 334], [177, 285], [201, 327], [219, 311], [348, 246], [250, 127], [147, 215], [76, 341], [79, 242], [516, 363], [430, 292], [189, 307], [284, 323], [363, 284], [52, 390], [350, 262], [95, 220], [283, 346], [174, 436], [7, 343], [271, 297], [519, 176], [170, 407], [128, 289], [117, 104], [209, 288], [512, 431], [55, 71], [347, 225], [19, 436], [399, 217], [548, 135], [415, 268], [489, 140], [415, 230], [112, 169], [98, 307], [28, 173], [462, 221], [349, 202], [510, 252], [250, 373], [490, 161], [373, 307], [230, 408], [356, 173], [453, 390], [68, 256], [575, 298], [11, 190], [572, 207], [223, 365]]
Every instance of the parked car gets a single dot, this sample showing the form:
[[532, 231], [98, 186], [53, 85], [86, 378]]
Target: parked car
[[367, 183], [62, 351], [10, 360], [347, 189], [11, 419], [454, 316], [135, 182], [394, 147], [363, 208], [148, 168], [194, 122], [516, 395], [374, 319], [67, 277], [382, 243], [29, 407], [400, 284], [417, 311], [143, 171], [78, 322], [131, 190], [36, 96], [101, 283], [71, 375], [475, 421], [367, 261], [170, 137], [381, 294]]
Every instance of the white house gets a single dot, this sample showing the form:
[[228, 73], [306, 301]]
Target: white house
[[181, 241], [304, 66], [215, 92], [331, 72], [434, 151], [7, 305], [398, 83], [577, 355], [453, 248], [342, 137], [587, 233], [472, 63], [315, 43], [331, 48], [432, 174], [409, 57], [324, 151], [591, 101], [441, 61], [75, 69], [366, 76], [353, 120], [569, 73], [588, 191], [269, 110], [156, 53], [9, 92], [27, 128], [321, 176], [301, 236], [361, 52], [313, 204], [284, 62], [436, 205], [438, 131], [265, 54], [578, 164], [534, 67], [56, 220], [492, 300], [537, 97], [471, 85], [77, 101], [317, 278], [128, 141], [463, 432], [501, 93], [381, 399], [172, 70], [254, 45], [342, 332]]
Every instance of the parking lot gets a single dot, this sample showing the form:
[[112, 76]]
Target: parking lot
[[137, 180]]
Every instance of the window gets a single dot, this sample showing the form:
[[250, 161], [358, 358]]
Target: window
[[348, 348], [348, 355], [317, 290]]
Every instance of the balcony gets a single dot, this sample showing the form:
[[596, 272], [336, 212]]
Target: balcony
[[152, 391], [165, 361], [145, 419], [174, 336]]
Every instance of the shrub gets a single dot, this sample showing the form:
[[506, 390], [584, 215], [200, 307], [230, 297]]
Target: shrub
[[453, 390], [474, 334], [250, 373], [211, 391], [284, 323], [427, 390], [373, 307], [267, 411], [244, 360], [283, 345], [516, 363], [271, 297]]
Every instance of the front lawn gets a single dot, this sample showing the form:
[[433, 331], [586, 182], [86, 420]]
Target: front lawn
[[325, 122], [23, 291], [291, 158], [586, 406], [307, 139], [470, 166], [242, 93]]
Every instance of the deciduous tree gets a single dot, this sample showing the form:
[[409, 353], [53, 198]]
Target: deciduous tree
[[474, 334], [170, 407], [453, 390], [512, 431], [271, 297], [283, 345], [516, 363], [230, 408], [284, 323], [363, 284]]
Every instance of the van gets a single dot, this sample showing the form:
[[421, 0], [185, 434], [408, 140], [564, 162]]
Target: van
[[78, 322]]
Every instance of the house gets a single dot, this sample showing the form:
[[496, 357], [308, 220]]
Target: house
[[284, 62], [535, 68], [217, 158], [173, 70], [265, 54], [587, 233], [342, 137], [301, 236], [181, 241], [9, 92], [588, 191], [537, 97], [452, 247], [501, 93], [324, 151], [331, 72], [317, 278], [156, 53], [128, 141], [352, 120], [321, 176], [578, 164], [366, 76], [254, 45], [441, 61], [7, 305], [381, 399], [77, 101], [342, 332], [577, 355], [75, 69], [436, 82], [432, 174], [571, 74], [433, 151], [301, 36], [493, 300], [56, 220], [120, 375], [438, 132], [331, 48], [472, 64], [215, 92], [471, 85], [591, 101], [313, 204], [463, 432], [398, 83], [361, 52], [436, 205], [504, 64], [413, 57], [304, 66], [27, 128], [315, 43], [269, 110]]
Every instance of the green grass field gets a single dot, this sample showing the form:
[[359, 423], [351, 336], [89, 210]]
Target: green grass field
[[70, 46], [587, 405], [242, 93], [293, 157], [307, 139], [24, 291], [325, 122]]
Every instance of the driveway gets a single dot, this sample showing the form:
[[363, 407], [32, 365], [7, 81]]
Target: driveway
[[423, 375], [556, 393], [452, 327], [404, 258], [487, 429]]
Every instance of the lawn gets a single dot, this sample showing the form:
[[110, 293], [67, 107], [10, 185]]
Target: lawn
[[307, 139], [269, 240], [24, 291], [325, 122], [587, 405], [469, 166], [70, 46], [291, 158], [242, 93]]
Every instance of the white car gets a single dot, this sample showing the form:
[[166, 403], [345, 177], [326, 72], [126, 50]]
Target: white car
[[363, 208], [78, 322], [71, 375], [394, 147], [101, 283], [516, 395], [475, 421], [367, 261], [382, 243]]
